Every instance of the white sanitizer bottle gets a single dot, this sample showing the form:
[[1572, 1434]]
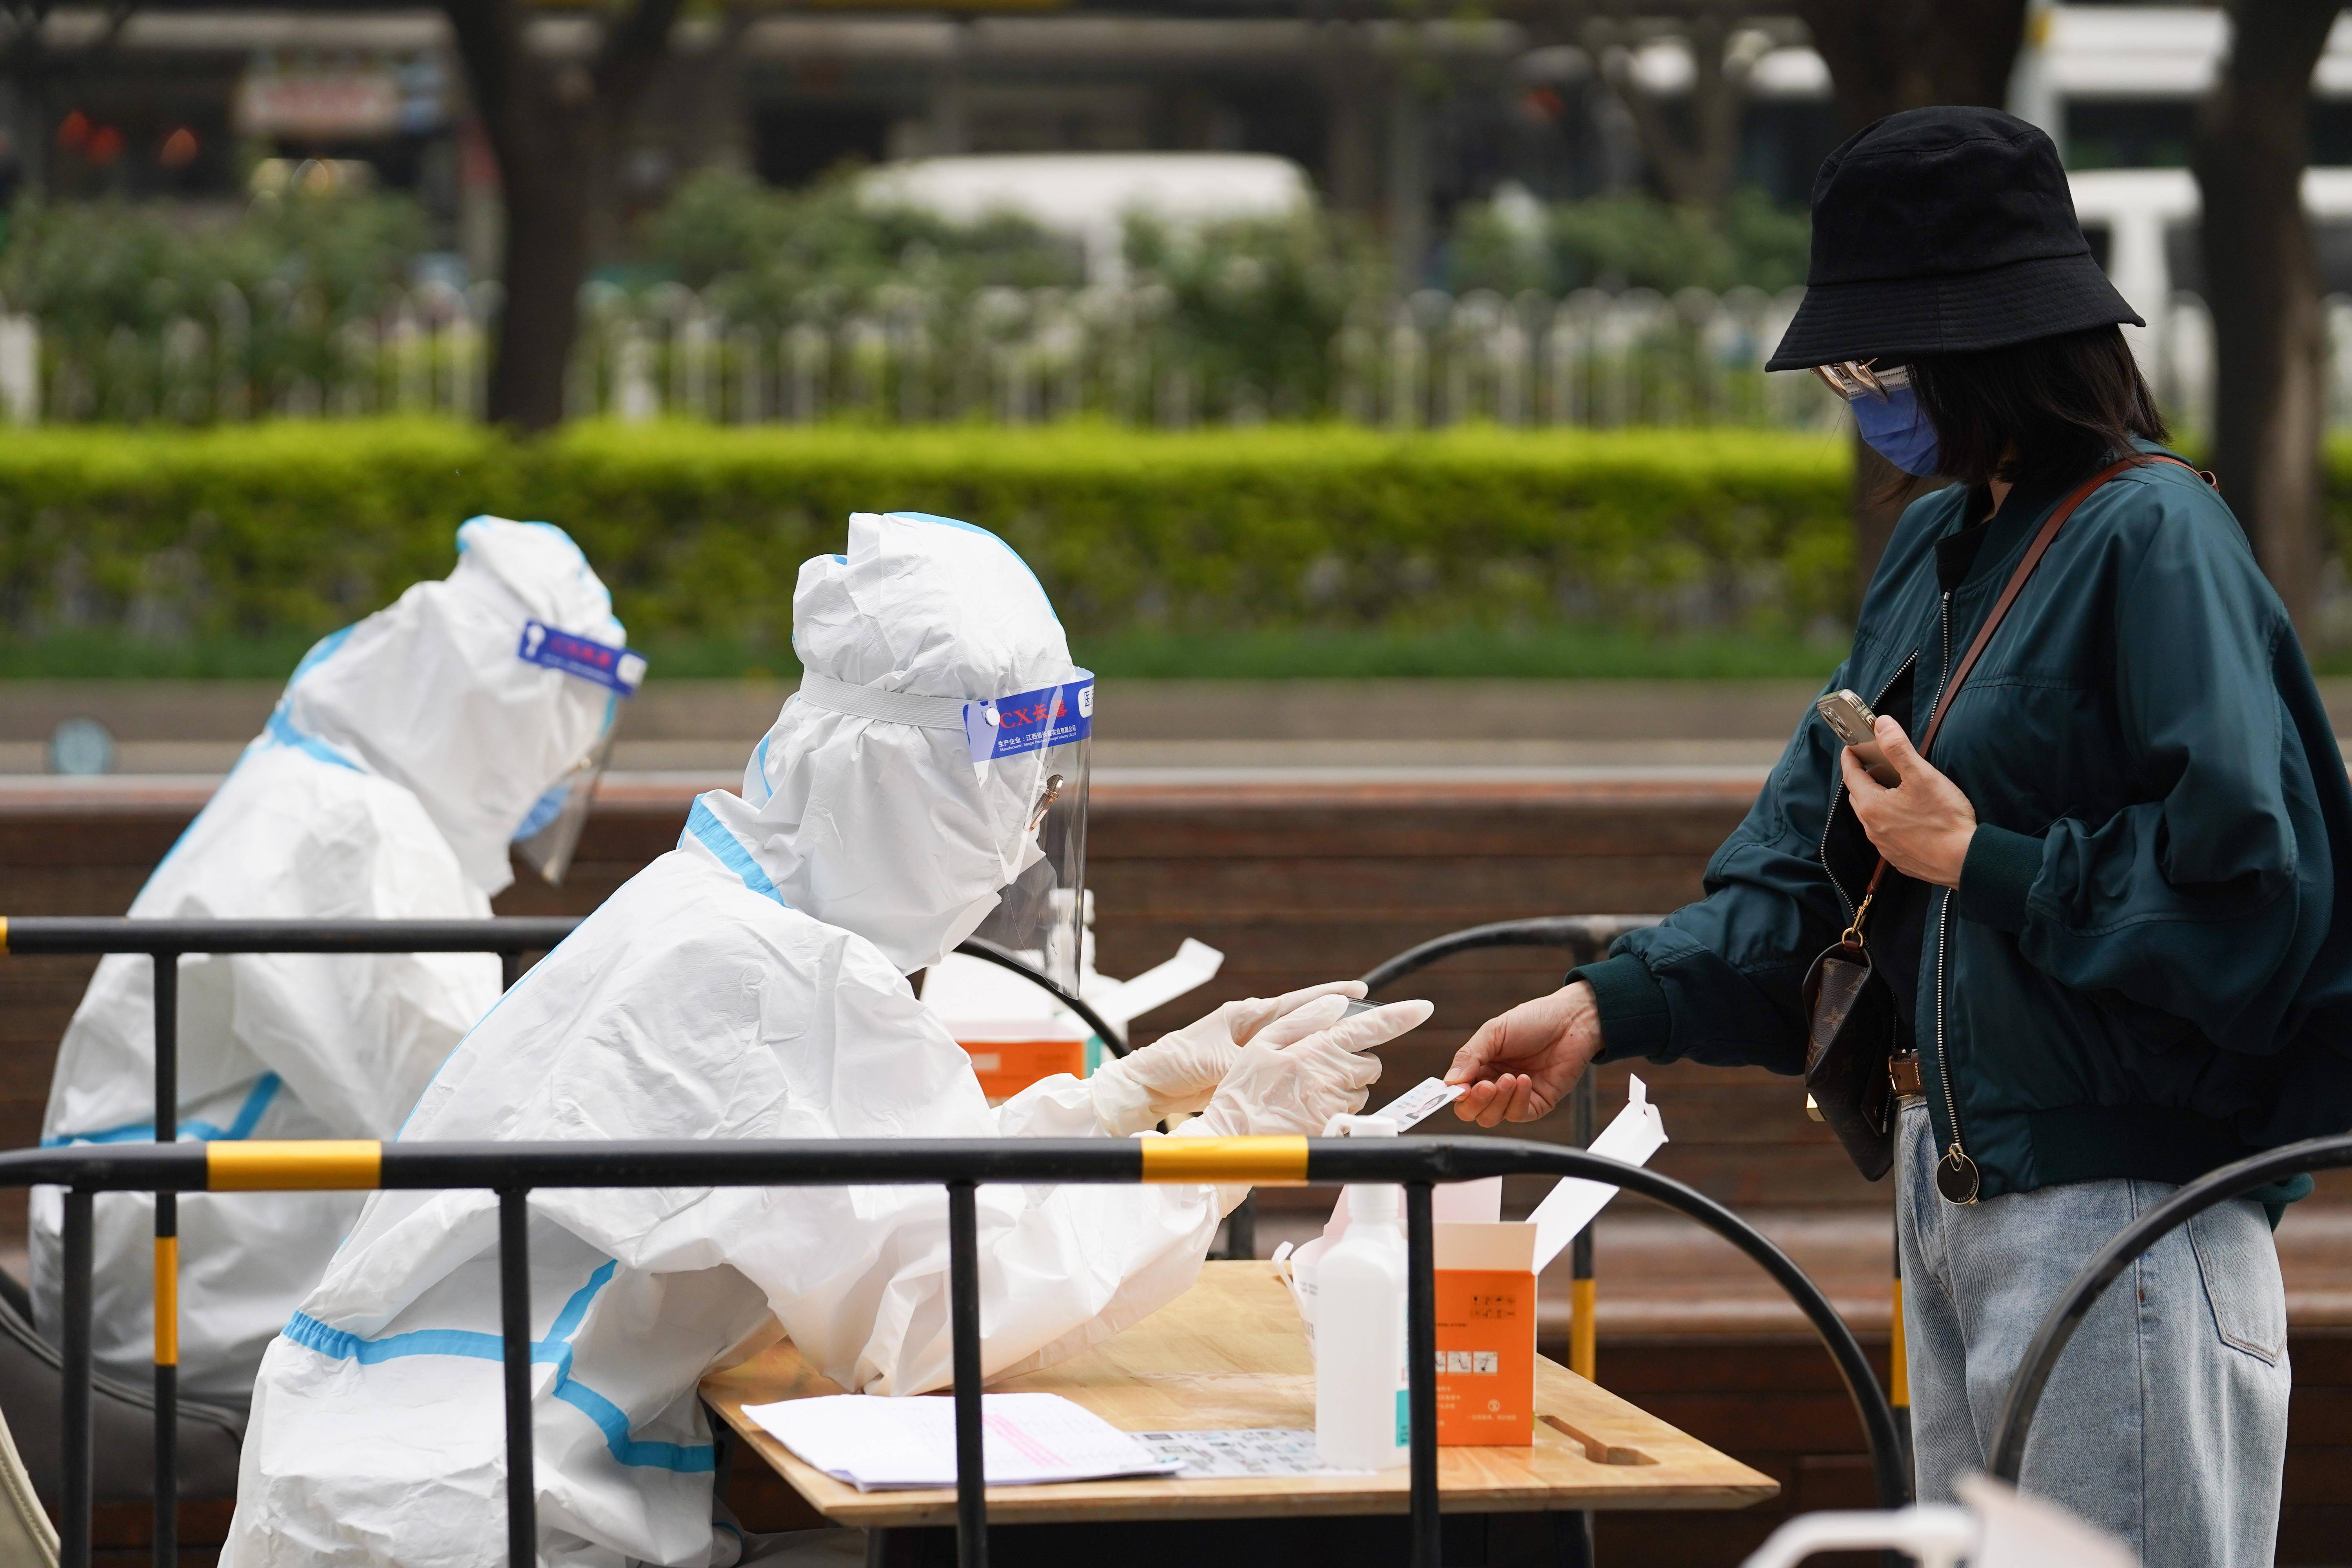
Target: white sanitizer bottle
[[1360, 1408]]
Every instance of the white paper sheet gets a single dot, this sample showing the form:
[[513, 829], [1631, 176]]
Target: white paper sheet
[[1419, 1103], [878, 1444], [1636, 1135], [1241, 1451], [1120, 1001]]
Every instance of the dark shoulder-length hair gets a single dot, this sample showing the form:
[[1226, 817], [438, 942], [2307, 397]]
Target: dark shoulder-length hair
[[2036, 413]]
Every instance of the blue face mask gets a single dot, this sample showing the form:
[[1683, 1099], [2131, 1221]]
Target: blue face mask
[[1898, 430]]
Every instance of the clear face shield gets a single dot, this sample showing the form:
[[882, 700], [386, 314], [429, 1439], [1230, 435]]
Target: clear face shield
[[550, 831], [1033, 748]]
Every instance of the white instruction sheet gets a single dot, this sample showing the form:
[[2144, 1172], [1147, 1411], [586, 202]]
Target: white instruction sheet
[[879, 1443], [1236, 1451], [1636, 1135]]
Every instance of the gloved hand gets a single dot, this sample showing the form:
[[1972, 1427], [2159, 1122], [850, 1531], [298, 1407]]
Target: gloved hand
[[1304, 1070], [1177, 1073]]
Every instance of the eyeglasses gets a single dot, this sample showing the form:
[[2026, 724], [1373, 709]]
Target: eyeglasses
[[1856, 378]]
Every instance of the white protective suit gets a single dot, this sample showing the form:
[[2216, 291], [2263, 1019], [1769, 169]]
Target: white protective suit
[[752, 983], [404, 753]]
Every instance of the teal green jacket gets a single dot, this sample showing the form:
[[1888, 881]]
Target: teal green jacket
[[2147, 968]]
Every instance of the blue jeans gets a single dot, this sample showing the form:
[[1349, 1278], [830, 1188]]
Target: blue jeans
[[2165, 1421]]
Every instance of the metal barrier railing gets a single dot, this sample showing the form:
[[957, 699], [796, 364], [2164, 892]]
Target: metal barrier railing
[[166, 942], [1586, 938], [513, 1170], [2066, 1314]]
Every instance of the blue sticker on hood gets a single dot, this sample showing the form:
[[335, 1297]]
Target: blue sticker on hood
[[1031, 720], [615, 667]]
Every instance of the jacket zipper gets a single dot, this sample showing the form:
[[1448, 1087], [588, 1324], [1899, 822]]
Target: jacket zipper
[[1837, 788], [1956, 1174], [1944, 672]]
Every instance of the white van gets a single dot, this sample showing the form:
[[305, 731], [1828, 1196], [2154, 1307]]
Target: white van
[[1088, 195], [2142, 226]]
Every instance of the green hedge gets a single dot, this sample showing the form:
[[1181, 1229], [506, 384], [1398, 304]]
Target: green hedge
[[275, 533], [1534, 552]]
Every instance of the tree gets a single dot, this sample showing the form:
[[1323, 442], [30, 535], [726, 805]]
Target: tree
[[1698, 172], [553, 124], [1886, 56], [38, 73], [2263, 284]]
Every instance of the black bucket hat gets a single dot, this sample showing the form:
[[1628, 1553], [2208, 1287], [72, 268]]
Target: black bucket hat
[[1943, 231]]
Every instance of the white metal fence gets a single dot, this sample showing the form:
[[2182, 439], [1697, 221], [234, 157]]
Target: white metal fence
[[1011, 356]]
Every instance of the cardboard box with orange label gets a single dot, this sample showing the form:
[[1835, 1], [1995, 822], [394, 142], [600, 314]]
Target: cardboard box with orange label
[[1486, 1335], [1017, 1033], [1005, 1068], [1485, 1274]]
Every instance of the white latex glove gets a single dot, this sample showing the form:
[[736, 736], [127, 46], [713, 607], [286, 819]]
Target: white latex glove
[[1176, 1074], [1304, 1070]]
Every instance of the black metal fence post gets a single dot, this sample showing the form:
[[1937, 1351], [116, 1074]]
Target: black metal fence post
[[167, 1267], [73, 1422], [963, 1312], [1420, 1371], [510, 968], [1241, 1230], [514, 1322]]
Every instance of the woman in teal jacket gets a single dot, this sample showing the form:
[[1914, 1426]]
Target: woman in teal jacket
[[2111, 918]]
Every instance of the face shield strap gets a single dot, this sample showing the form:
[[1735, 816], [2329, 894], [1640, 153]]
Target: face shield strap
[[1034, 745], [993, 728], [891, 707]]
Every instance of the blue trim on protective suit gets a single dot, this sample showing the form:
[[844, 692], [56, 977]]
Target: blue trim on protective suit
[[760, 772], [282, 731], [248, 1116], [702, 826], [554, 1351], [320, 651]]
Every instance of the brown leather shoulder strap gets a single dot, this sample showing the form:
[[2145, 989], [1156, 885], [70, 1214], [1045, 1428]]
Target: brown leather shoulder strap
[[2016, 584]]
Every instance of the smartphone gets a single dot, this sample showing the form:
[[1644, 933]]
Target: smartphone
[[1851, 721]]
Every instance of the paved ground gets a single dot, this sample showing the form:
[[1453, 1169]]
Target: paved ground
[[165, 727], [1597, 727]]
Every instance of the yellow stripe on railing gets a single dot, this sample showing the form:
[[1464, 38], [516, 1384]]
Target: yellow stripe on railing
[[1584, 1329], [294, 1165], [1266, 1161], [4, 933], [167, 1300], [1898, 1358]]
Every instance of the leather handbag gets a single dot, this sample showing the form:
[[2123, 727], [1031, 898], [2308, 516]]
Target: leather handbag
[[1850, 1009]]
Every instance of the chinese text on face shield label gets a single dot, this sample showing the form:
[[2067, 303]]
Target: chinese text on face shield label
[[1031, 720], [614, 667]]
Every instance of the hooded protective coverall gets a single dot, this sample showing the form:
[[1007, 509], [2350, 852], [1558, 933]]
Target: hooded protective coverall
[[750, 983], [403, 754]]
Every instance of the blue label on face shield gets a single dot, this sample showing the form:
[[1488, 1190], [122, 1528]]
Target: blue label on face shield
[[615, 667], [1031, 720]]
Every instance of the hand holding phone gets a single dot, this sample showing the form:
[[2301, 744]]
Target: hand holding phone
[[1850, 719]]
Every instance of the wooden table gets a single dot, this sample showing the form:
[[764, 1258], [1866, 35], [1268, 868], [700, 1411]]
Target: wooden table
[[1230, 1354]]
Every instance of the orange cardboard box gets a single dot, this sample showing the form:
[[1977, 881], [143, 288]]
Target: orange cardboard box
[[1486, 1335]]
